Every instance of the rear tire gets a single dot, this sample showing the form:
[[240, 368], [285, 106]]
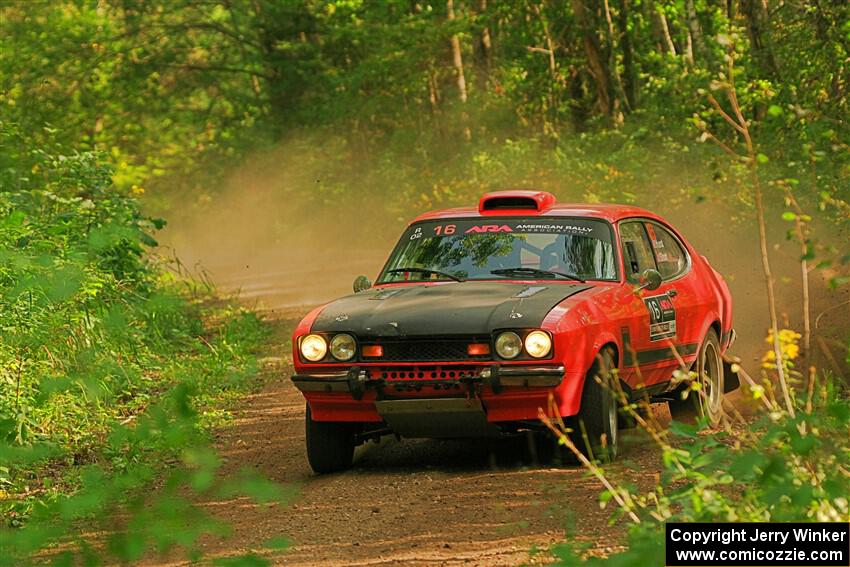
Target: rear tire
[[708, 401], [598, 412], [330, 444]]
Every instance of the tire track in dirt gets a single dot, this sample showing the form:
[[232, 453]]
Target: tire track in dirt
[[414, 502]]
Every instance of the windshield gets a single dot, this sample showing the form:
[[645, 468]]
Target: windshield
[[499, 248]]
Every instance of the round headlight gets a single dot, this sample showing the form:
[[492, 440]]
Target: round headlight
[[538, 344], [314, 348], [343, 347], [508, 345]]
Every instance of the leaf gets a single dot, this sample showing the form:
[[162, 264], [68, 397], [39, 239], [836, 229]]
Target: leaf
[[762, 158], [278, 543], [803, 445], [683, 429], [789, 216], [774, 110], [148, 240], [262, 490]]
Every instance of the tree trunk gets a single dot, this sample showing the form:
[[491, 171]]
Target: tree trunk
[[578, 109], [695, 29], [433, 93], [629, 71], [758, 25], [457, 57], [689, 48], [550, 44], [486, 40], [662, 30], [434, 100], [552, 91], [595, 61], [612, 62]]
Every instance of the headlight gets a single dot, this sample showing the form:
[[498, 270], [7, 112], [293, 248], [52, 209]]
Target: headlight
[[508, 345], [343, 347], [314, 348], [538, 344]]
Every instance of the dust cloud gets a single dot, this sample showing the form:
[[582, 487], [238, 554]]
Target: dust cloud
[[278, 239], [287, 232]]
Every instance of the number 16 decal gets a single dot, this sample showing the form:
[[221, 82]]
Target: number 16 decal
[[662, 317]]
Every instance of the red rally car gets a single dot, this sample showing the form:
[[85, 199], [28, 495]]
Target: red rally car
[[480, 314]]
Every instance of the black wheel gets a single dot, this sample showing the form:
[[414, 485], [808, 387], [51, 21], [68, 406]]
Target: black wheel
[[708, 400], [330, 444], [598, 412]]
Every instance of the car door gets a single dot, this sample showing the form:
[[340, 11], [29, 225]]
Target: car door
[[650, 331], [679, 285]]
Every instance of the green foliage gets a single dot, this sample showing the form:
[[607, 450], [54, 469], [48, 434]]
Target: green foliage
[[111, 373], [175, 92], [777, 468], [107, 365]]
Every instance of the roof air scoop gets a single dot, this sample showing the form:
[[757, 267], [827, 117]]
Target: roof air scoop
[[517, 201]]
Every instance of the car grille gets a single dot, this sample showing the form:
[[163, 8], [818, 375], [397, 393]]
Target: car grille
[[428, 350]]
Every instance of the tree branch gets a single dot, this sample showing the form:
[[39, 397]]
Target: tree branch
[[723, 113]]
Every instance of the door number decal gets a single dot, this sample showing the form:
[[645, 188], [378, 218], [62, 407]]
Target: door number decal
[[662, 317]]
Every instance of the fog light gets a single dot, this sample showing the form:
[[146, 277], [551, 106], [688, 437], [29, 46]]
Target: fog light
[[373, 351], [478, 349]]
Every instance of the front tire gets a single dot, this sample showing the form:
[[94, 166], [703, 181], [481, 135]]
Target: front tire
[[707, 402], [330, 444], [598, 412]]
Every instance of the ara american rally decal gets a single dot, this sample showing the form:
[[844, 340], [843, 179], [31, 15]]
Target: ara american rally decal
[[458, 227], [662, 317]]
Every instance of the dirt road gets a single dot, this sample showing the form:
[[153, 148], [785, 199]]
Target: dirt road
[[410, 502]]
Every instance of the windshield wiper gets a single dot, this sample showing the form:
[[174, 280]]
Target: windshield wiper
[[526, 271], [425, 271]]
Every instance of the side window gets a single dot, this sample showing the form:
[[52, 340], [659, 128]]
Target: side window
[[672, 260], [637, 252]]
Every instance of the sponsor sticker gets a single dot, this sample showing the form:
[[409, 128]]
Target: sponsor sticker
[[662, 317]]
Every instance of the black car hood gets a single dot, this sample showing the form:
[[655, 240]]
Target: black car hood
[[464, 308]]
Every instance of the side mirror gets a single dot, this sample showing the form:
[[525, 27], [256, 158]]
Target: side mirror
[[649, 279], [362, 283]]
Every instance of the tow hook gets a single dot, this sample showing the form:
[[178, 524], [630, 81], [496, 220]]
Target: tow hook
[[492, 374], [471, 392], [357, 382]]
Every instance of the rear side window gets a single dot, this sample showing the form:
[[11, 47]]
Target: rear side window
[[637, 251], [671, 258]]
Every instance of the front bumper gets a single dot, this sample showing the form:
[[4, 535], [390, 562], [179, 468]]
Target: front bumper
[[507, 393], [357, 382]]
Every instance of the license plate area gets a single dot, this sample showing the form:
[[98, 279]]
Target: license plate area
[[413, 374]]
